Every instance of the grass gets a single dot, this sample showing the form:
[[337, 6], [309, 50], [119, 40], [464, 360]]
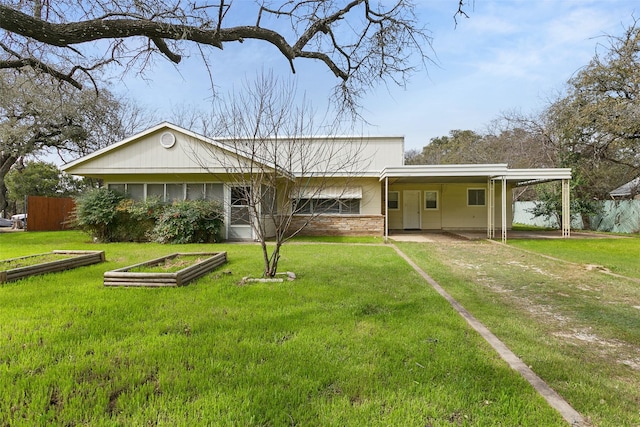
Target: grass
[[578, 329], [620, 255], [171, 265], [31, 260], [357, 339], [527, 227], [338, 239]]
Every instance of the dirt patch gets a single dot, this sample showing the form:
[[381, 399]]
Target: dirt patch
[[552, 293]]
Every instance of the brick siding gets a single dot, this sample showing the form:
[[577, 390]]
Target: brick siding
[[341, 225]]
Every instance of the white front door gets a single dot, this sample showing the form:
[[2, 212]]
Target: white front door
[[411, 209]]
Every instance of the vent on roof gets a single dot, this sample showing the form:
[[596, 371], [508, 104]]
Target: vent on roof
[[167, 140]]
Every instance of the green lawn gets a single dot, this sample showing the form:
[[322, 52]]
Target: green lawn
[[579, 329], [620, 255], [357, 339]]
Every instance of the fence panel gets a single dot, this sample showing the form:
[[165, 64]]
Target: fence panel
[[49, 213], [619, 216]]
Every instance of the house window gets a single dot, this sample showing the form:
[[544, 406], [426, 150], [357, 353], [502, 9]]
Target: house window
[[175, 192], [155, 191], [214, 192], [475, 196], [393, 200], [350, 206], [195, 191], [135, 191], [328, 206], [431, 200], [171, 192], [119, 188]]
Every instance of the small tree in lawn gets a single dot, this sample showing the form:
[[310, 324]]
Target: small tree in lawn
[[276, 166]]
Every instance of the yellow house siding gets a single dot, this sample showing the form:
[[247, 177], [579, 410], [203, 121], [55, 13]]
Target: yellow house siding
[[453, 211]]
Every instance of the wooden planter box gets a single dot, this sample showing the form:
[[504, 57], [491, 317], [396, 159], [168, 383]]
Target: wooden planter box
[[124, 277], [76, 259]]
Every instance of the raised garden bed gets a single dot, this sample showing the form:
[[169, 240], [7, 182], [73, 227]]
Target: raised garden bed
[[59, 260], [172, 270]]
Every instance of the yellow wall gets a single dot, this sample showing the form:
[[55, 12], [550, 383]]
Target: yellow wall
[[452, 212]]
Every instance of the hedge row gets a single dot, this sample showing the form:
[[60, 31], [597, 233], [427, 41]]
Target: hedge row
[[109, 216]]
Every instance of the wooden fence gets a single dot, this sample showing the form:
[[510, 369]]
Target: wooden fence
[[49, 213]]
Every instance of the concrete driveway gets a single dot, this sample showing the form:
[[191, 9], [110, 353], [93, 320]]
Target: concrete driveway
[[457, 235]]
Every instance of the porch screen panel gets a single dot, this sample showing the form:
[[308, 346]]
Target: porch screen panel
[[240, 206], [214, 192], [155, 190], [175, 192], [135, 191], [195, 191], [120, 188]]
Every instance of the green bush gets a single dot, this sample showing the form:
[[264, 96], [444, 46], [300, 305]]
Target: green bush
[[136, 219], [189, 221], [109, 216], [96, 213]]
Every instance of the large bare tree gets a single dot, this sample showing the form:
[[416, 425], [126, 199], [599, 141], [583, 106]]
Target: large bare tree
[[360, 41], [281, 164]]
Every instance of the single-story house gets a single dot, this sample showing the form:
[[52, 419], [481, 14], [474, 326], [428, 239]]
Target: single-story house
[[378, 193]]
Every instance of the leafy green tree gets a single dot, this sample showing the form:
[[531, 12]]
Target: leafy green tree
[[37, 178], [34, 179], [457, 147], [502, 143], [597, 122], [40, 117]]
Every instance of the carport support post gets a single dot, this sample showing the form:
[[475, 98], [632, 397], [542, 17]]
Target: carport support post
[[386, 209], [504, 209], [491, 220], [566, 209]]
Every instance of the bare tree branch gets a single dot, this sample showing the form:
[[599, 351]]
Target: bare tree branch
[[360, 43]]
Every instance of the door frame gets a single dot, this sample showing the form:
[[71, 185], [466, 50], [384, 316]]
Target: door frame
[[411, 215]]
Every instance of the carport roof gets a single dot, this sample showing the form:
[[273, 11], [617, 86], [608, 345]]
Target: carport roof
[[473, 173]]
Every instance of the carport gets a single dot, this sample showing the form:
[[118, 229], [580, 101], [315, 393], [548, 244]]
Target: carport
[[489, 177]]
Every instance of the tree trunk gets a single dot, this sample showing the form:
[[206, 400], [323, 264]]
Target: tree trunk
[[586, 221], [6, 161], [271, 261]]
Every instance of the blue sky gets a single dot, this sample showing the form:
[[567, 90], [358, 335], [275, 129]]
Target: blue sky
[[509, 55]]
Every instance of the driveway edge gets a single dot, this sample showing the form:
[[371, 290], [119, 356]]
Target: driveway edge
[[556, 401]]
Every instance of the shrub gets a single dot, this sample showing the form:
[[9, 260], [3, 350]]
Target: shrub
[[109, 216], [96, 213], [189, 221], [136, 219]]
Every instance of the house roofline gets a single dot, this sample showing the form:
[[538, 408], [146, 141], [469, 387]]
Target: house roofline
[[490, 171]]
